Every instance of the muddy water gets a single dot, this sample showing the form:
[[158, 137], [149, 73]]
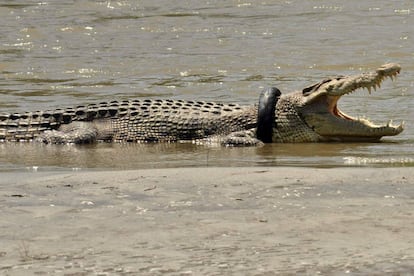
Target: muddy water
[[63, 53]]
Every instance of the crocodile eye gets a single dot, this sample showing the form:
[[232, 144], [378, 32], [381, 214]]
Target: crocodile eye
[[307, 90]]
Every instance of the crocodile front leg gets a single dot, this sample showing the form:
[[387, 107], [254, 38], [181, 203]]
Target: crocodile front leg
[[265, 123], [243, 138]]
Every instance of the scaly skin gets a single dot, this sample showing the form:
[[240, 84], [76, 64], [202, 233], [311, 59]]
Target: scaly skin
[[310, 115]]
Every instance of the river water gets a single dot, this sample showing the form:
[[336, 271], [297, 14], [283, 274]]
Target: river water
[[63, 53]]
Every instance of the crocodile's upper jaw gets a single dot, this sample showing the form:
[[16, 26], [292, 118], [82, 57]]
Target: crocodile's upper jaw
[[321, 113]]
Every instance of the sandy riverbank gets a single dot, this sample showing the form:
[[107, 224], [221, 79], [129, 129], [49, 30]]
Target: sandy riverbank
[[210, 221]]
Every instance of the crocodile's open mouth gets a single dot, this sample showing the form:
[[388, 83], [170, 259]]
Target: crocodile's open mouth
[[325, 118], [374, 132]]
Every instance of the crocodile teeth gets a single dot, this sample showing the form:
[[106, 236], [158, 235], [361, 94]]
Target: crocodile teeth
[[377, 83], [394, 75], [397, 126]]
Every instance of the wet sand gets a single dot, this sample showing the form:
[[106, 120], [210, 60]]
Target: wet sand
[[208, 221]]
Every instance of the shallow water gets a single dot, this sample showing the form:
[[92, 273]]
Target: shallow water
[[29, 157], [63, 53]]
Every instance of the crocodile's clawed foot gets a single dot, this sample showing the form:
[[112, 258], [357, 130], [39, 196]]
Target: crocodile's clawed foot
[[241, 139]]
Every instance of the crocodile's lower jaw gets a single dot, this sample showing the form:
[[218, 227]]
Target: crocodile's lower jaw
[[350, 139], [333, 125]]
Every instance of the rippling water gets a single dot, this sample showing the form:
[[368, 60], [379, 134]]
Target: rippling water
[[63, 53]]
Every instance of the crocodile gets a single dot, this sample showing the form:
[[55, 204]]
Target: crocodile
[[309, 115]]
